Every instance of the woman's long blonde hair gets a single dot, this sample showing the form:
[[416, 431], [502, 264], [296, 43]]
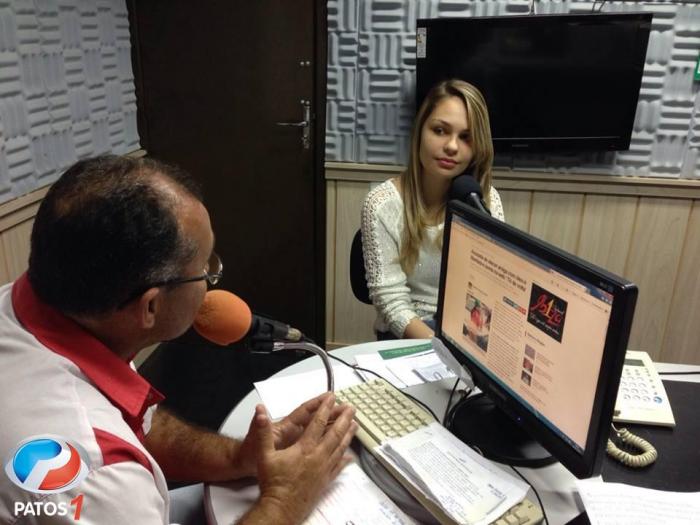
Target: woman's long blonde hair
[[415, 212]]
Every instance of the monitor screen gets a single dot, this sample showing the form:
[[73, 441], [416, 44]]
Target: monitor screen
[[551, 82], [543, 333]]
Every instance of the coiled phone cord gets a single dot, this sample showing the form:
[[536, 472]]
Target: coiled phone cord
[[647, 456]]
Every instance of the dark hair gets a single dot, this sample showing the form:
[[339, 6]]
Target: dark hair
[[105, 231]]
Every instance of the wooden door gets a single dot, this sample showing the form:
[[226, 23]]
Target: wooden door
[[213, 79]]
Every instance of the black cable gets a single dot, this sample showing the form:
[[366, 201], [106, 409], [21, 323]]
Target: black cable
[[449, 402], [465, 398], [544, 513], [678, 373], [449, 413], [356, 367]]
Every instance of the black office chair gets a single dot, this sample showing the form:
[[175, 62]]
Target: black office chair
[[358, 281]]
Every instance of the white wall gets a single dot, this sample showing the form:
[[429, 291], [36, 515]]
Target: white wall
[[66, 88]]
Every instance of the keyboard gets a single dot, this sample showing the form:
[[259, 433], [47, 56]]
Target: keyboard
[[382, 413]]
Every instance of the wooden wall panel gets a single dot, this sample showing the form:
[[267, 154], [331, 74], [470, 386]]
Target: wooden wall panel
[[652, 264], [681, 343], [606, 231], [331, 218], [516, 207], [556, 218], [15, 245], [353, 320], [640, 228], [4, 272]]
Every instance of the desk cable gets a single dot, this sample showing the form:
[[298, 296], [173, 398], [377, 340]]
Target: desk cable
[[449, 412], [545, 520], [447, 423]]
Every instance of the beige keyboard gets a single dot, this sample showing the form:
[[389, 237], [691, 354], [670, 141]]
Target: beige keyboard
[[383, 412]]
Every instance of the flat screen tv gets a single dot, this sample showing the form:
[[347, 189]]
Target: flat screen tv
[[551, 82]]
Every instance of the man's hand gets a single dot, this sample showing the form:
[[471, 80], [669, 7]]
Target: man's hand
[[285, 433], [298, 458]]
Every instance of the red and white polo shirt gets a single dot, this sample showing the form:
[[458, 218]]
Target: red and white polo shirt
[[56, 379]]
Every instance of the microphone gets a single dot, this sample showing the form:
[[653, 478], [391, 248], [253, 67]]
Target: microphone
[[225, 318], [466, 189]]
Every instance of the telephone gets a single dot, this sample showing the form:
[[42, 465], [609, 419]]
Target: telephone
[[641, 397]]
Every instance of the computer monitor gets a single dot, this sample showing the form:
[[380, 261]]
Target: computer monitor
[[543, 334]]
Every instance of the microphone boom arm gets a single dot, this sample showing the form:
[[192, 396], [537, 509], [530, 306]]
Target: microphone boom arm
[[309, 347]]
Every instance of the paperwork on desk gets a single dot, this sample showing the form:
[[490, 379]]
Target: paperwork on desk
[[469, 488], [618, 503], [354, 498], [281, 395], [351, 498], [406, 365]]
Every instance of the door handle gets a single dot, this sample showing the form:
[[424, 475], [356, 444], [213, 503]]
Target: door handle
[[304, 124], [293, 124]]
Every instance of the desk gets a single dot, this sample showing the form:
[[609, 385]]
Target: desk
[[555, 485]]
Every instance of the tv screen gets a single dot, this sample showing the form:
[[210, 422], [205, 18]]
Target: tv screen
[[543, 334], [551, 82]]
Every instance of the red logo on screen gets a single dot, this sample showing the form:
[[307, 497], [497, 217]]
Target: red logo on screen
[[547, 312]]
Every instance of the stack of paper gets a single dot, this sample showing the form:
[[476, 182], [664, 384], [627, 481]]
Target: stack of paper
[[468, 488], [615, 503], [351, 498], [354, 498]]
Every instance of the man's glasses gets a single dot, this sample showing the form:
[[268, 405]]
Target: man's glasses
[[213, 273]]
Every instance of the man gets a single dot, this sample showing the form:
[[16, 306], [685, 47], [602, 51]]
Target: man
[[121, 253]]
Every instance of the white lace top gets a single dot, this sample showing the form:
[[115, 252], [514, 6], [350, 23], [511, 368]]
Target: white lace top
[[397, 297]]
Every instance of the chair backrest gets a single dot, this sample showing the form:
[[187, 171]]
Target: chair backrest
[[358, 282]]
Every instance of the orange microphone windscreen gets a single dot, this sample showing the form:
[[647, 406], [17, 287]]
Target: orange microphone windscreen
[[223, 318]]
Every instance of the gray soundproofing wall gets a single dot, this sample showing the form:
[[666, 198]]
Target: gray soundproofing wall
[[371, 84], [66, 88]]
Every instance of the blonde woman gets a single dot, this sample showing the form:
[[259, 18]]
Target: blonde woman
[[402, 219]]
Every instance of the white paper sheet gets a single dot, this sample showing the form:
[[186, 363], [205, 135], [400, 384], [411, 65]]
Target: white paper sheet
[[351, 498], [620, 504], [419, 368], [405, 370], [281, 395], [354, 498], [376, 364]]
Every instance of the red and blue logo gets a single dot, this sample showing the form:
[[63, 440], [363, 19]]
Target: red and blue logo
[[47, 464]]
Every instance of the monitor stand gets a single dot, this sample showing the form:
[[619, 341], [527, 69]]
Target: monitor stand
[[479, 423]]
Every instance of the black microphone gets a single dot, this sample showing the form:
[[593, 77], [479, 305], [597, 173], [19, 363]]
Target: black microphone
[[265, 331], [466, 189]]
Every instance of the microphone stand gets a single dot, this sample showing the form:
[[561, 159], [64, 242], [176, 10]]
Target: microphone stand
[[309, 347]]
